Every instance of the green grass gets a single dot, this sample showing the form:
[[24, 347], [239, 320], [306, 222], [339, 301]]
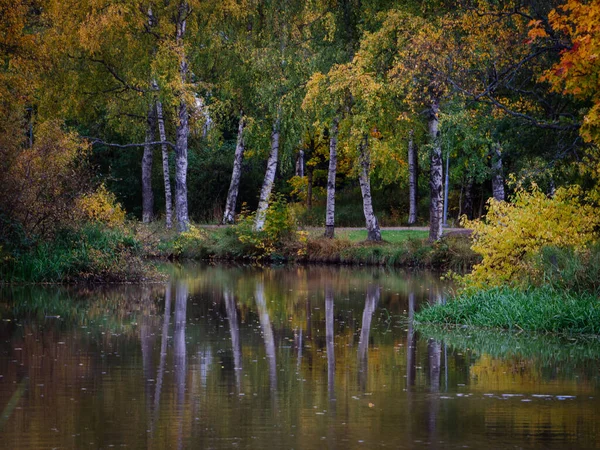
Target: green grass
[[391, 236], [92, 253], [535, 309], [401, 248]]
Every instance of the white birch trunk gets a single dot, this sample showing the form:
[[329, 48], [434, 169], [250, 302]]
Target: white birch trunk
[[330, 209], [300, 164], [234, 186], [497, 175], [147, 194], [373, 231], [412, 180], [267, 187], [435, 181], [165, 165], [182, 131]]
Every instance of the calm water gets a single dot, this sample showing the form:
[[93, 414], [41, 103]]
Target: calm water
[[230, 357]]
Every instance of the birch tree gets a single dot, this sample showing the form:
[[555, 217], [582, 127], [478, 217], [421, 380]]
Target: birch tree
[[234, 186], [412, 179]]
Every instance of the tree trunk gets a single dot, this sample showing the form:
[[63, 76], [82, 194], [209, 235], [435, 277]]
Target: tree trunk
[[373, 231], [267, 187], [300, 164], [435, 181], [497, 175], [412, 180], [234, 186], [165, 165], [147, 194], [309, 188], [182, 131], [469, 199], [330, 210]]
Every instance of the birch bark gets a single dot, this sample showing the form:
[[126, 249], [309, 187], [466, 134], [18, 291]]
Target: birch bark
[[435, 181], [373, 231], [497, 175], [300, 163], [330, 209], [165, 165], [234, 186], [147, 194], [412, 180], [267, 187], [182, 130]]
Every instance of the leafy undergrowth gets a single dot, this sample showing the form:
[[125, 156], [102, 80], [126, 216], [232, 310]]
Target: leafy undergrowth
[[451, 252], [404, 248], [536, 309], [91, 253]]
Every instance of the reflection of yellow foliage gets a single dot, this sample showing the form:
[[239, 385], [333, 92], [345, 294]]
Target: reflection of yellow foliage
[[101, 206], [518, 375]]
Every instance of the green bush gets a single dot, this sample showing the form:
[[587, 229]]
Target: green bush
[[569, 269], [279, 236], [90, 253]]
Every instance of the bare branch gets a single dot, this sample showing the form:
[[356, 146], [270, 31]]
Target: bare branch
[[98, 141]]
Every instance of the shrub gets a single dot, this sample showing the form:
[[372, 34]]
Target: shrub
[[89, 253], [512, 235], [42, 181], [279, 235], [569, 269], [101, 206], [190, 243]]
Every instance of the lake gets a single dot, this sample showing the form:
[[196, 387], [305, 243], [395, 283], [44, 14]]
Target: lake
[[281, 357]]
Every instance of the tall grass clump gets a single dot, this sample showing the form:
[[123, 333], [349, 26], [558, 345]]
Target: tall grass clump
[[535, 309], [92, 252], [569, 269]]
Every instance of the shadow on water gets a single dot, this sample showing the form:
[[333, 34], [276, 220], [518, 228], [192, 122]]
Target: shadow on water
[[307, 357]]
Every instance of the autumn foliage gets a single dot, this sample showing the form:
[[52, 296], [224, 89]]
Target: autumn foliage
[[513, 234]]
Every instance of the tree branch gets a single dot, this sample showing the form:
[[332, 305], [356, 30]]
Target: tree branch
[[95, 141]]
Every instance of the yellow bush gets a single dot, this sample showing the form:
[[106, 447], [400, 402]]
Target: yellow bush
[[101, 206], [513, 233], [280, 229], [188, 240], [41, 181]]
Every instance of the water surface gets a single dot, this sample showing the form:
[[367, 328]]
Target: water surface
[[293, 357]]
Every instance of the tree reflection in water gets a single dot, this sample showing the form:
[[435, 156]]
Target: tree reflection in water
[[373, 294], [234, 331]]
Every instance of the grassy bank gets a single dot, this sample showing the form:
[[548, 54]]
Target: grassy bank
[[401, 248], [542, 309], [90, 253]]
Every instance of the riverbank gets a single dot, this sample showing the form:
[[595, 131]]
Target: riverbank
[[538, 309], [97, 254], [400, 247]]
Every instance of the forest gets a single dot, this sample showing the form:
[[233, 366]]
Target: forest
[[128, 124]]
